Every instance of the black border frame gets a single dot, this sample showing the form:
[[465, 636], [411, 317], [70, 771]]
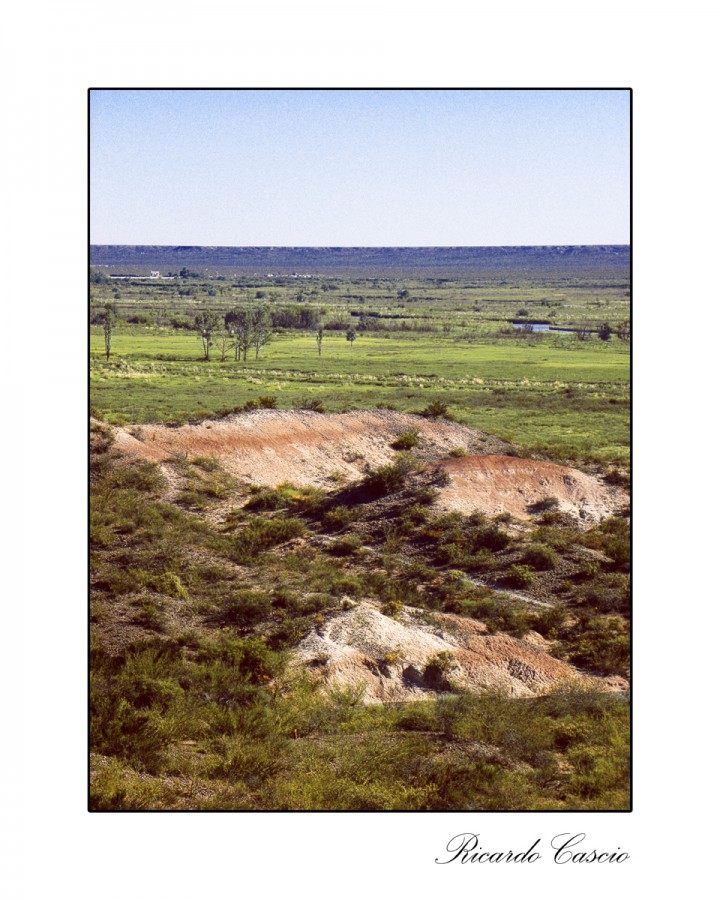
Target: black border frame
[[632, 593]]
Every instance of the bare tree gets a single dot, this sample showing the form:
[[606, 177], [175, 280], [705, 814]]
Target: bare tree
[[239, 322], [261, 333], [108, 322], [206, 324], [623, 330], [583, 332], [224, 342]]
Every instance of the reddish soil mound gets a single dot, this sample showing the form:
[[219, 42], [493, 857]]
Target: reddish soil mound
[[271, 446], [508, 484]]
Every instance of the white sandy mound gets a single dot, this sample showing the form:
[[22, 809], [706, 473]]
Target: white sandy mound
[[363, 648], [508, 484]]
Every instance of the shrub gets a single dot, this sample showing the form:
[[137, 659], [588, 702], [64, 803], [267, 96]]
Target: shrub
[[488, 537], [138, 475], [539, 557], [457, 452], [285, 495], [601, 645], [547, 504], [419, 717], [549, 622], [313, 406], [168, 583], [345, 546], [392, 609], [339, 517], [436, 409], [250, 657], [149, 615], [265, 402], [518, 577], [262, 534], [406, 441], [424, 496], [390, 478], [438, 668], [206, 463], [618, 478], [414, 515], [242, 610]]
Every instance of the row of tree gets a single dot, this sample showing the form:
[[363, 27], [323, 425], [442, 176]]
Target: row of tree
[[245, 328]]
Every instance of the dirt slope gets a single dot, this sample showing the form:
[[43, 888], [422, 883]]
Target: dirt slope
[[271, 446], [363, 648], [499, 484]]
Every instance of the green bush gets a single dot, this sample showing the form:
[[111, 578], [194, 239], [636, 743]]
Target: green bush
[[406, 441], [599, 644], [438, 669], [424, 496], [339, 517], [168, 583], [285, 496], [436, 409], [345, 546], [242, 610], [539, 557], [249, 658], [206, 463], [258, 535], [389, 478], [618, 478], [518, 577]]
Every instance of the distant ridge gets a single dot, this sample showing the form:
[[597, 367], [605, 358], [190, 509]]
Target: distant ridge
[[319, 260]]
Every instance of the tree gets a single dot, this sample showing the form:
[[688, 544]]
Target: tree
[[206, 323], [239, 322], [224, 341], [583, 332], [261, 333], [623, 331], [319, 334], [605, 332], [351, 335], [108, 321]]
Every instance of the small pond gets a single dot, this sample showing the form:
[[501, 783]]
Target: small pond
[[541, 326]]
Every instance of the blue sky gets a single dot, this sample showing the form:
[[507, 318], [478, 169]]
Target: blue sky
[[359, 168]]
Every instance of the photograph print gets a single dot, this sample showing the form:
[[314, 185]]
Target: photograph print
[[359, 455]]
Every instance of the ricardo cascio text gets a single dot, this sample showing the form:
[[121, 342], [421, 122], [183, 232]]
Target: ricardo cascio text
[[561, 849]]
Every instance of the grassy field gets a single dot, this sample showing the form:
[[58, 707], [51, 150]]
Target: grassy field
[[546, 392]]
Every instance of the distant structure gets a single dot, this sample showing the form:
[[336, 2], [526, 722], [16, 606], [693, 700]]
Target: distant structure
[[155, 274]]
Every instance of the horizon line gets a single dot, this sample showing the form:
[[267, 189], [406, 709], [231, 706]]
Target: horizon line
[[366, 246]]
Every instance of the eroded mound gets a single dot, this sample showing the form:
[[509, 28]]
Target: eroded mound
[[400, 660], [269, 447], [521, 487]]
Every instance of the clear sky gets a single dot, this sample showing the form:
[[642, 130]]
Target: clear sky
[[359, 168]]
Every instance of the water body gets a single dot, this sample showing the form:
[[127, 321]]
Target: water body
[[541, 326]]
